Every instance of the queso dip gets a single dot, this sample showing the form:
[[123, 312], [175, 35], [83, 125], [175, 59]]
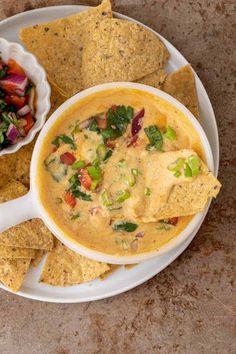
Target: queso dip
[[109, 161]]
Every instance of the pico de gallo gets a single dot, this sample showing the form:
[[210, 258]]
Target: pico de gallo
[[17, 103]]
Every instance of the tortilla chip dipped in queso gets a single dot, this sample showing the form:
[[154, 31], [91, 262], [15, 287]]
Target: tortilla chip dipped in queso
[[123, 172]]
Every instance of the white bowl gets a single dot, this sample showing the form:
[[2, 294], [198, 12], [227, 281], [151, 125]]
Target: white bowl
[[37, 75], [29, 206]]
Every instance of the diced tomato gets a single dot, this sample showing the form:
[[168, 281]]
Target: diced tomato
[[70, 199], [29, 122], [16, 101], [67, 158], [173, 221], [102, 122], [85, 179], [14, 68]]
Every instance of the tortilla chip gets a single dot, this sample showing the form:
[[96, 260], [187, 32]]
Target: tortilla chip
[[13, 271], [154, 79], [30, 234], [190, 198], [119, 50], [12, 190], [59, 44], [113, 268], [38, 257], [15, 252], [16, 166], [56, 99], [64, 267], [181, 85]]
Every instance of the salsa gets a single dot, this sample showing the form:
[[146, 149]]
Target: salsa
[[109, 164], [17, 107]]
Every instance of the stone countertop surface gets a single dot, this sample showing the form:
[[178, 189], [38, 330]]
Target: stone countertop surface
[[190, 307]]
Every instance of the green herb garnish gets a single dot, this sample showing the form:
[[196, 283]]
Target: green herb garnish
[[81, 195], [65, 139], [123, 195], [194, 164], [147, 191], [3, 73], [154, 136], [124, 226], [105, 199], [75, 216], [78, 164], [170, 133]]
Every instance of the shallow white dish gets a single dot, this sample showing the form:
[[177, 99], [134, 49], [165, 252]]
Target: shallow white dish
[[37, 75], [122, 280]]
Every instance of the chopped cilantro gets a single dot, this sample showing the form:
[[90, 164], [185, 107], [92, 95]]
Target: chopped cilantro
[[124, 226]]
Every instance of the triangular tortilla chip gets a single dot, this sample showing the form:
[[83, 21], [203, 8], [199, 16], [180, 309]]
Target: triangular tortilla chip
[[12, 190], [13, 271], [113, 268], [154, 79], [181, 85], [30, 234], [64, 267], [38, 257], [119, 50], [58, 45], [15, 252]]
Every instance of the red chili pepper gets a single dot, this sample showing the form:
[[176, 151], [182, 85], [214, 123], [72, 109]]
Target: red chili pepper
[[173, 221], [16, 101], [14, 68], [67, 158], [29, 122], [70, 199], [85, 178]]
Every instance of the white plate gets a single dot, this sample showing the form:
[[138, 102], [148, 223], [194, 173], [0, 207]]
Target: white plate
[[122, 280]]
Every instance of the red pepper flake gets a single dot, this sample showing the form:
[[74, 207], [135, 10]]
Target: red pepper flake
[[102, 122], [67, 158]]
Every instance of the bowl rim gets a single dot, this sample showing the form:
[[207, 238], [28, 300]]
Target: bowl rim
[[20, 50], [72, 244]]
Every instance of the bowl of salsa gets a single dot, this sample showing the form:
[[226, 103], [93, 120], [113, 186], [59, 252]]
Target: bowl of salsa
[[24, 97]]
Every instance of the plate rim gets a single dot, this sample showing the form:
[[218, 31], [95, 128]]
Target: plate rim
[[183, 246]]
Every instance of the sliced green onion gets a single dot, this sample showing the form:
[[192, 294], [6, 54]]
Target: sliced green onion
[[177, 174], [123, 196], [105, 199], [170, 133], [94, 185], [101, 151], [194, 164], [94, 172], [176, 166], [187, 170], [78, 164], [130, 181], [147, 191], [135, 172], [121, 163]]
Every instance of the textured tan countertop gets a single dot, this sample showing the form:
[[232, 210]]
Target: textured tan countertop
[[190, 307]]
